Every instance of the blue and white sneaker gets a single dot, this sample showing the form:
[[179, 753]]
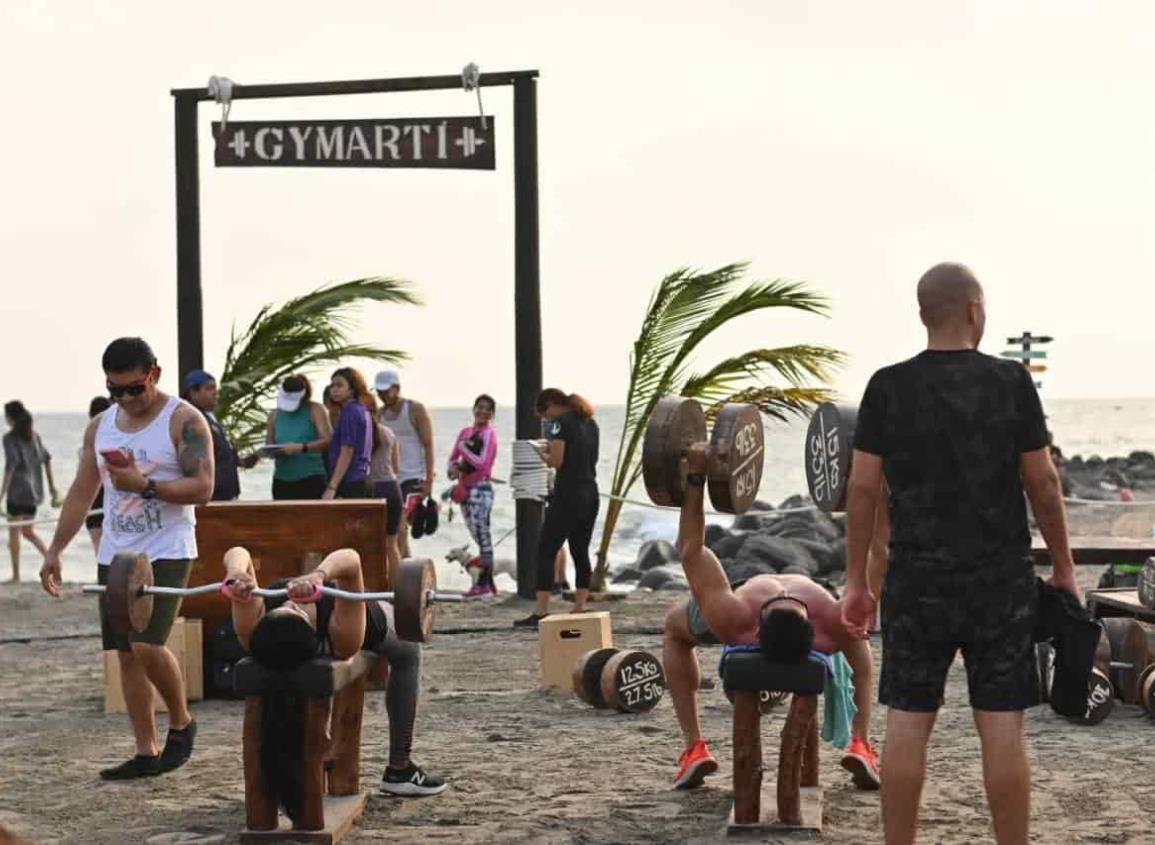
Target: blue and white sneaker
[[411, 781]]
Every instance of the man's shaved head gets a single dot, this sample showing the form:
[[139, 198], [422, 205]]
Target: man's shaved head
[[944, 291]]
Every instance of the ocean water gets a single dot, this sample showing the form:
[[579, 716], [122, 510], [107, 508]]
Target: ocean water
[[1103, 427]]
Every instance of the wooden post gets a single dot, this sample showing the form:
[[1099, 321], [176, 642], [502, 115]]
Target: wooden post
[[527, 313], [316, 744], [810, 754], [795, 733], [747, 757], [189, 311], [260, 804], [348, 706]]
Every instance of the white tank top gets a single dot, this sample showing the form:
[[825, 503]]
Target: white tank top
[[412, 464], [161, 530]]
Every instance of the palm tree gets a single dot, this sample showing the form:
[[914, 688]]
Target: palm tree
[[687, 308], [304, 332]]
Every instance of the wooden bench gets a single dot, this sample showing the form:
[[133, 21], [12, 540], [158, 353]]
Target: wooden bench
[[798, 804], [1098, 550], [328, 686]]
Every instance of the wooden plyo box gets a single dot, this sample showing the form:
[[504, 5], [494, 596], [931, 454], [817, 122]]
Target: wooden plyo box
[[563, 638], [185, 642]]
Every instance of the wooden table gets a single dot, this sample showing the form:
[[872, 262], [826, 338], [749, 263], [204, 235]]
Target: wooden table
[[1098, 550], [1118, 601]]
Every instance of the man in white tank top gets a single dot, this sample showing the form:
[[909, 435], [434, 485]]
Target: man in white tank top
[[411, 424], [151, 452]]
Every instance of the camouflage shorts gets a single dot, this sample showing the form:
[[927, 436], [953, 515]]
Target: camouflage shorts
[[933, 610]]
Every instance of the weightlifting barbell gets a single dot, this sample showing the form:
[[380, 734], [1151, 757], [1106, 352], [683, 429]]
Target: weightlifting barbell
[[735, 453], [129, 594]]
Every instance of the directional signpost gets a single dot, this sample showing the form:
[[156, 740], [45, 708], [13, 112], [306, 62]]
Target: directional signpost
[[1026, 354]]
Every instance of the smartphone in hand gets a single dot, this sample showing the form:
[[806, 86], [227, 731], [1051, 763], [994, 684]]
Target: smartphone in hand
[[116, 458]]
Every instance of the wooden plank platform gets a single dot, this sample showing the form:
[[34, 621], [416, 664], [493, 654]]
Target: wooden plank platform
[[1091, 550], [1118, 601], [812, 801], [340, 813]]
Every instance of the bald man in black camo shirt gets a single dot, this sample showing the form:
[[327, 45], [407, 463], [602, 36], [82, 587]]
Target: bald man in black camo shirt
[[958, 436]]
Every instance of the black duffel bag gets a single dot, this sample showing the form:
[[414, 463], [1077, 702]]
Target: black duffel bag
[[1074, 635]]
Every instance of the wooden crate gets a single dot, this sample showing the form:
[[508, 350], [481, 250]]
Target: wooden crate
[[185, 641]]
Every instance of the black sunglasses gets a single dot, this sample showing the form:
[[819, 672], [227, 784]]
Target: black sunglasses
[[116, 391]]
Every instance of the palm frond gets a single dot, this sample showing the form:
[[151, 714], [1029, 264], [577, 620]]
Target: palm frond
[[777, 402], [304, 332], [687, 307]]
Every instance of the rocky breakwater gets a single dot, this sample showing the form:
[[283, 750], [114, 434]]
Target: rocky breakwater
[[793, 538], [1106, 478]]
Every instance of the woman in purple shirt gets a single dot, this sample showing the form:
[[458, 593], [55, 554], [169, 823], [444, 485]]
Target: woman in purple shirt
[[354, 437]]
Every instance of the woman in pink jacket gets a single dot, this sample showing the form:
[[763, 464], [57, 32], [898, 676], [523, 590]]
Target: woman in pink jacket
[[471, 464]]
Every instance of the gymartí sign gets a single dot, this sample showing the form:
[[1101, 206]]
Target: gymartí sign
[[459, 143]]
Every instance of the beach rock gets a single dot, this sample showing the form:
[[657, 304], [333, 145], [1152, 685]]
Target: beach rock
[[656, 553], [714, 533], [760, 505], [675, 585], [776, 552], [745, 570], [795, 569], [728, 544], [655, 578], [824, 554], [1140, 458], [796, 501], [628, 573], [751, 521], [822, 530]]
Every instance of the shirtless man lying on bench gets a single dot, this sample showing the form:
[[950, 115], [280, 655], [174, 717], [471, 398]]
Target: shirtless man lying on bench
[[784, 615]]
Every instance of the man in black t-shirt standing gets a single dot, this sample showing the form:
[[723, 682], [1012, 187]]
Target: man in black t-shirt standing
[[959, 436]]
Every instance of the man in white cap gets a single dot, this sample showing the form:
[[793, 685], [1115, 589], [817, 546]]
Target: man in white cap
[[411, 424]]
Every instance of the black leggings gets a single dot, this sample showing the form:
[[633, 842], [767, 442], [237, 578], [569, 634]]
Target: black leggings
[[569, 519]]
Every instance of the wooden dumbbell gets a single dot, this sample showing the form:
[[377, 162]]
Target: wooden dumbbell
[[735, 453], [630, 681], [829, 446]]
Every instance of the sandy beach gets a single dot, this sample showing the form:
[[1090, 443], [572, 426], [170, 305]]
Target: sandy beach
[[525, 765]]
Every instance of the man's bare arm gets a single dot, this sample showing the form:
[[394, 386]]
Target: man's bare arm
[[195, 456], [728, 616], [862, 500], [1045, 490], [75, 508]]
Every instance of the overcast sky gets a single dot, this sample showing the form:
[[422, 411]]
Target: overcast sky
[[847, 145]]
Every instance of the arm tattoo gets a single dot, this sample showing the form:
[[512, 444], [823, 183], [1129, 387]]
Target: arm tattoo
[[193, 449]]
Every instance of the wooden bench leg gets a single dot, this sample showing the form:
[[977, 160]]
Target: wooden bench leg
[[795, 737], [810, 754], [747, 757], [316, 744], [260, 804], [348, 707]]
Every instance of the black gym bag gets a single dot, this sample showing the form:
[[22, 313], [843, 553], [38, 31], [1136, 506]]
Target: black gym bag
[[1069, 628]]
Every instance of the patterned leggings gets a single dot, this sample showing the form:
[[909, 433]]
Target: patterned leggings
[[476, 510]]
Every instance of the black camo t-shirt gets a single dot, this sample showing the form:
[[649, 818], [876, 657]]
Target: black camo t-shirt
[[950, 427]]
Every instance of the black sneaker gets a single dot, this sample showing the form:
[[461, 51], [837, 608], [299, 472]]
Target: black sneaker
[[432, 517], [411, 781], [140, 766], [529, 621], [178, 747], [417, 521]]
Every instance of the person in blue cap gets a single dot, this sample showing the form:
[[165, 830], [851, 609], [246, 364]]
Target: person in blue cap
[[200, 389]]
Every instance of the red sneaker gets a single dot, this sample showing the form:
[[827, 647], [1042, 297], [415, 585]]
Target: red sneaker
[[861, 761], [694, 765]]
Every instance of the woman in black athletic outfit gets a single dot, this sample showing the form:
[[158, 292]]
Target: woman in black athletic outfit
[[282, 633], [572, 449]]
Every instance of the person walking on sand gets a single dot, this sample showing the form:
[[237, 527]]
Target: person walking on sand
[[26, 463], [572, 449], [354, 438], [471, 465], [302, 431], [958, 436], [153, 455], [411, 423], [94, 522]]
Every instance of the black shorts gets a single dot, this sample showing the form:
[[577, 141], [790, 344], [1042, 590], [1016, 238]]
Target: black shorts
[[358, 489], [411, 487], [390, 491], [302, 489], [15, 509], [933, 609]]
